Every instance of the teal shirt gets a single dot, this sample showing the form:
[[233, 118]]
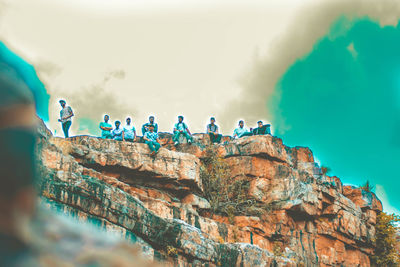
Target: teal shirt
[[180, 126], [129, 131], [105, 134], [152, 136], [240, 131]]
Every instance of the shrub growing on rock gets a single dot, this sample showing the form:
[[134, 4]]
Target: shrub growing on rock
[[386, 253], [227, 195]]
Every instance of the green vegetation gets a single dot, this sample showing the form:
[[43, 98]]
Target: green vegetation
[[227, 195], [277, 249], [367, 187], [387, 248], [325, 170], [171, 251]]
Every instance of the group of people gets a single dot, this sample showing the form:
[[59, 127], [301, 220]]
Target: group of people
[[150, 130]]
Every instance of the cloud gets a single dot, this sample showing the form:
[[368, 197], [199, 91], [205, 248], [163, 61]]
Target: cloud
[[311, 24], [90, 102], [344, 106], [387, 207]]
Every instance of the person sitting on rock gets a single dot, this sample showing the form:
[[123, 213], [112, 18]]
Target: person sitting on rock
[[145, 127], [129, 131], [151, 139], [262, 129], [118, 132], [106, 128], [181, 128], [212, 130], [66, 114], [241, 131]]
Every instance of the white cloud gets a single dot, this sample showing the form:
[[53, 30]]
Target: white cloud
[[387, 206]]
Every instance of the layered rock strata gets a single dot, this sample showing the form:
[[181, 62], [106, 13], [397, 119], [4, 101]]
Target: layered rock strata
[[310, 219]]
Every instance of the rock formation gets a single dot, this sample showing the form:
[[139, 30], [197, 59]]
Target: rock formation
[[310, 219]]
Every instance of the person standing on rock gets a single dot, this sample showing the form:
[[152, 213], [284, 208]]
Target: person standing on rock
[[66, 114], [106, 128], [262, 129], [212, 130], [181, 128], [241, 131], [151, 139], [145, 127], [118, 132], [129, 131]]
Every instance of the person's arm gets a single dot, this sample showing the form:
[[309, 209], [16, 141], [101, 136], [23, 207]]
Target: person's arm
[[145, 137], [143, 129], [134, 134], [71, 113], [188, 131], [123, 135], [235, 133], [156, 127], [216, 131], [106, 128]]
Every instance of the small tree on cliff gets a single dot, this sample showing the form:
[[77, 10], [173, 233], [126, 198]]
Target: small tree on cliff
[[367, 187], [386, 253], [227, 195]]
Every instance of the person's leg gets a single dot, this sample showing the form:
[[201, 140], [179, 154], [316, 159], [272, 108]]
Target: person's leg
[[247, 134], [65, 127], [151, 146], [157, 146], [189, 138], [175, 138], [68, 126], [212, 137], [218, 138]]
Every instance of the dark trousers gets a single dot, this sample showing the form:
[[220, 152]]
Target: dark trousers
[[215, 138], [154, 146], [65, 127], [247, 134]]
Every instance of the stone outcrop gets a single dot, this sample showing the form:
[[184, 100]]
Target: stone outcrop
[[310, 219]]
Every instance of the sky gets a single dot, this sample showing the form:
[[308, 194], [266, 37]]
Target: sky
[[324, 73], [172, 59]]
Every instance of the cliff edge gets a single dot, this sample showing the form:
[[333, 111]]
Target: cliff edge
[[301, 217]]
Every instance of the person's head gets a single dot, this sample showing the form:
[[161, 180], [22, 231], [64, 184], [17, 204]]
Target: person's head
[[151, 128], [212, 120], [128, 120], [260, 124], [17, 153], [241, 124], [117, 124], [62, 103], [151, 119], [180, 118], [106, 118]]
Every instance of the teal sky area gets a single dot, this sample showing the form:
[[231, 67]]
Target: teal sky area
[[343, 101]]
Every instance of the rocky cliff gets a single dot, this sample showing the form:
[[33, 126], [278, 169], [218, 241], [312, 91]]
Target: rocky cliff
[[308, 218]]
